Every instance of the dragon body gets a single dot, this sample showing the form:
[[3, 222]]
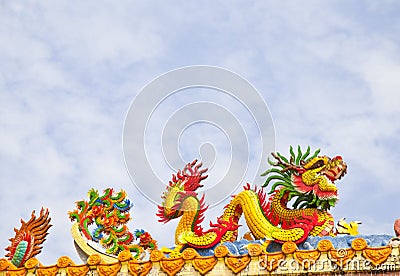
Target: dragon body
[[308, 181], [181, 200], [102, 220]]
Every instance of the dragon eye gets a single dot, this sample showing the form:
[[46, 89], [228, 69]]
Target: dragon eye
[[317, 164]]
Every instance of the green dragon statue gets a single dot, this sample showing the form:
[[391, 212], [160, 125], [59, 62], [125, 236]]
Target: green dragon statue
[[109, 213]]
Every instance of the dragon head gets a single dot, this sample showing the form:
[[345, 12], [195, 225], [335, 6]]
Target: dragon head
[[183, 185], [308, 180], [321, 172]]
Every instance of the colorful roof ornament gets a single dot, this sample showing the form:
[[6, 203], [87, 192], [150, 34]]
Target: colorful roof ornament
[[101, 226], [291, 229], [28, 239]]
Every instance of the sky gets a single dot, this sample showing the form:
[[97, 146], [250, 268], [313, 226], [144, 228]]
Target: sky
[[327, 70]]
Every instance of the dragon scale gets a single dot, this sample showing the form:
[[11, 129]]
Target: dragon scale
[[279, 213], [247, 203], [185, 226]]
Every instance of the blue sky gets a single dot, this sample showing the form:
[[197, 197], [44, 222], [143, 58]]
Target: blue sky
[[328, 70]]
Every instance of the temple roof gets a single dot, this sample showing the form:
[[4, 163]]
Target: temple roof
[[325, 258]]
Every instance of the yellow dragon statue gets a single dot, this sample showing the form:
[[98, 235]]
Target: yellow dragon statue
[[306, 180]]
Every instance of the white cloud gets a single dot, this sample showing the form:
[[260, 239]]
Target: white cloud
[[328, 71]]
